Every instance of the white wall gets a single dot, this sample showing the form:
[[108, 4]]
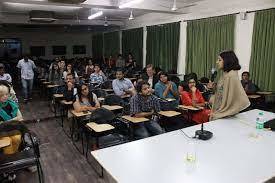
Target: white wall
[[49, 39], [243, 39]]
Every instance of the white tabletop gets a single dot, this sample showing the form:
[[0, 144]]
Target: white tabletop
[[232, 155]]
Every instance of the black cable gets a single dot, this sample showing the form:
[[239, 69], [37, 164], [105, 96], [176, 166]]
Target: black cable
[[188, 135]]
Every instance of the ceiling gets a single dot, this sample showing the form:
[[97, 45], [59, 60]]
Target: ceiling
[[17, 11]]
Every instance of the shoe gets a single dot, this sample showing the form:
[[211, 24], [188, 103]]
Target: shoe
[[25, 100], [30, 98]]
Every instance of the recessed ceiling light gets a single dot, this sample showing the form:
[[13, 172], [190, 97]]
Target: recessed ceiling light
[[37, 6], [130, 3], [95, 15], [131, 16]]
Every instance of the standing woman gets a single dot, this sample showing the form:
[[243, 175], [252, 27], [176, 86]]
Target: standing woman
[[230, 97]]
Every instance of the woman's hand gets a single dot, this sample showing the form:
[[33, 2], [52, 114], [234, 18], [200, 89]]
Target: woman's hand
[[193, 89]]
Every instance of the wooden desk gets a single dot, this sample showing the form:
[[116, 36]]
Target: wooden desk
[[46, 82], [80, 114], [108, 90], [254, 96], [185, 107], [58, 95], [4, 142], [134, 119], [264, 93], [99, 127], [51, 86], [66, 103], [169, 113], [126, 96], [101, 99], [112, 107]]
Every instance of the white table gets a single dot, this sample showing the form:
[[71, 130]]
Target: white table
[[232, 155]]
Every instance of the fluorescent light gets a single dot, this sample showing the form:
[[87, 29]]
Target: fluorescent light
[[41, 6], [95, 15], [129, 4], [131, 16]]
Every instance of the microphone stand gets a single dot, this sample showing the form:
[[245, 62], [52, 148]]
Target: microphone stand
[[203, 134]]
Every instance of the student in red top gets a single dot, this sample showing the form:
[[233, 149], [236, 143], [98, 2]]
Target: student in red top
[[191, 96]]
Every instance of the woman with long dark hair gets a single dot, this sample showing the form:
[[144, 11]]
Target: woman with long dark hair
[[230, 97], [191, 96], [85, 100]]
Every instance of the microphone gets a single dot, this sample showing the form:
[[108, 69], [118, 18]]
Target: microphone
[[203, 134], [213, 74]]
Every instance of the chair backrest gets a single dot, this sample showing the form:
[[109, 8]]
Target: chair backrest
[[100, 93], [113, 100], [102, 115], [107, 84]]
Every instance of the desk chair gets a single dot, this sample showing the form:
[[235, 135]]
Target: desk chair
[[28, 154]]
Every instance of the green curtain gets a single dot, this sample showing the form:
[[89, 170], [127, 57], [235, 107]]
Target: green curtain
[[111, 44], [132, 41], [262, 61], [97, 45], [162, 45], [206, 38]]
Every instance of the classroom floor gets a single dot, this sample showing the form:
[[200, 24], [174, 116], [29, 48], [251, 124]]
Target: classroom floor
[[61, 162]]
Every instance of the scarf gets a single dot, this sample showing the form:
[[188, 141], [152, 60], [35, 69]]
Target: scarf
[[14, 110]]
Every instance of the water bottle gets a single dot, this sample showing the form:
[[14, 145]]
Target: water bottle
[[259, 123]]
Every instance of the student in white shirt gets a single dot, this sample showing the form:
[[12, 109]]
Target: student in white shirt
[[27, 67], [4, 76]]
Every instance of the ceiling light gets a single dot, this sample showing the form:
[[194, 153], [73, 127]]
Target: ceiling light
[[129, 4], [40, 6], [95, 15], [131, 16], [174, 8], [105, 22]]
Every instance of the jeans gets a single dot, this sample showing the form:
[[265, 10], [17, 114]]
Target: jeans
[[27, 87], [147, 129]]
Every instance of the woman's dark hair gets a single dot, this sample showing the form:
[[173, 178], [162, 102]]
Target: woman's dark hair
[[163, 73], [79, 92], [53, 71], [193, 76], [204, 80], [72, 70], [185, 83], [140, 84], [231, 61]]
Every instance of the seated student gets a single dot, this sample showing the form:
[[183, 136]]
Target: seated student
[[144, 104], [55, 76], [120, 62], [85, 100], [3, 75], [150, 76], [247, 84], [9, 111], [70, 89], [98, 76], [191, 96], [70, 69], [167, 89], [89, 69], [131, 63], [122, 86]]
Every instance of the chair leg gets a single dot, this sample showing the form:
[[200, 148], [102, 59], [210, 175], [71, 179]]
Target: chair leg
[[40, 172]]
